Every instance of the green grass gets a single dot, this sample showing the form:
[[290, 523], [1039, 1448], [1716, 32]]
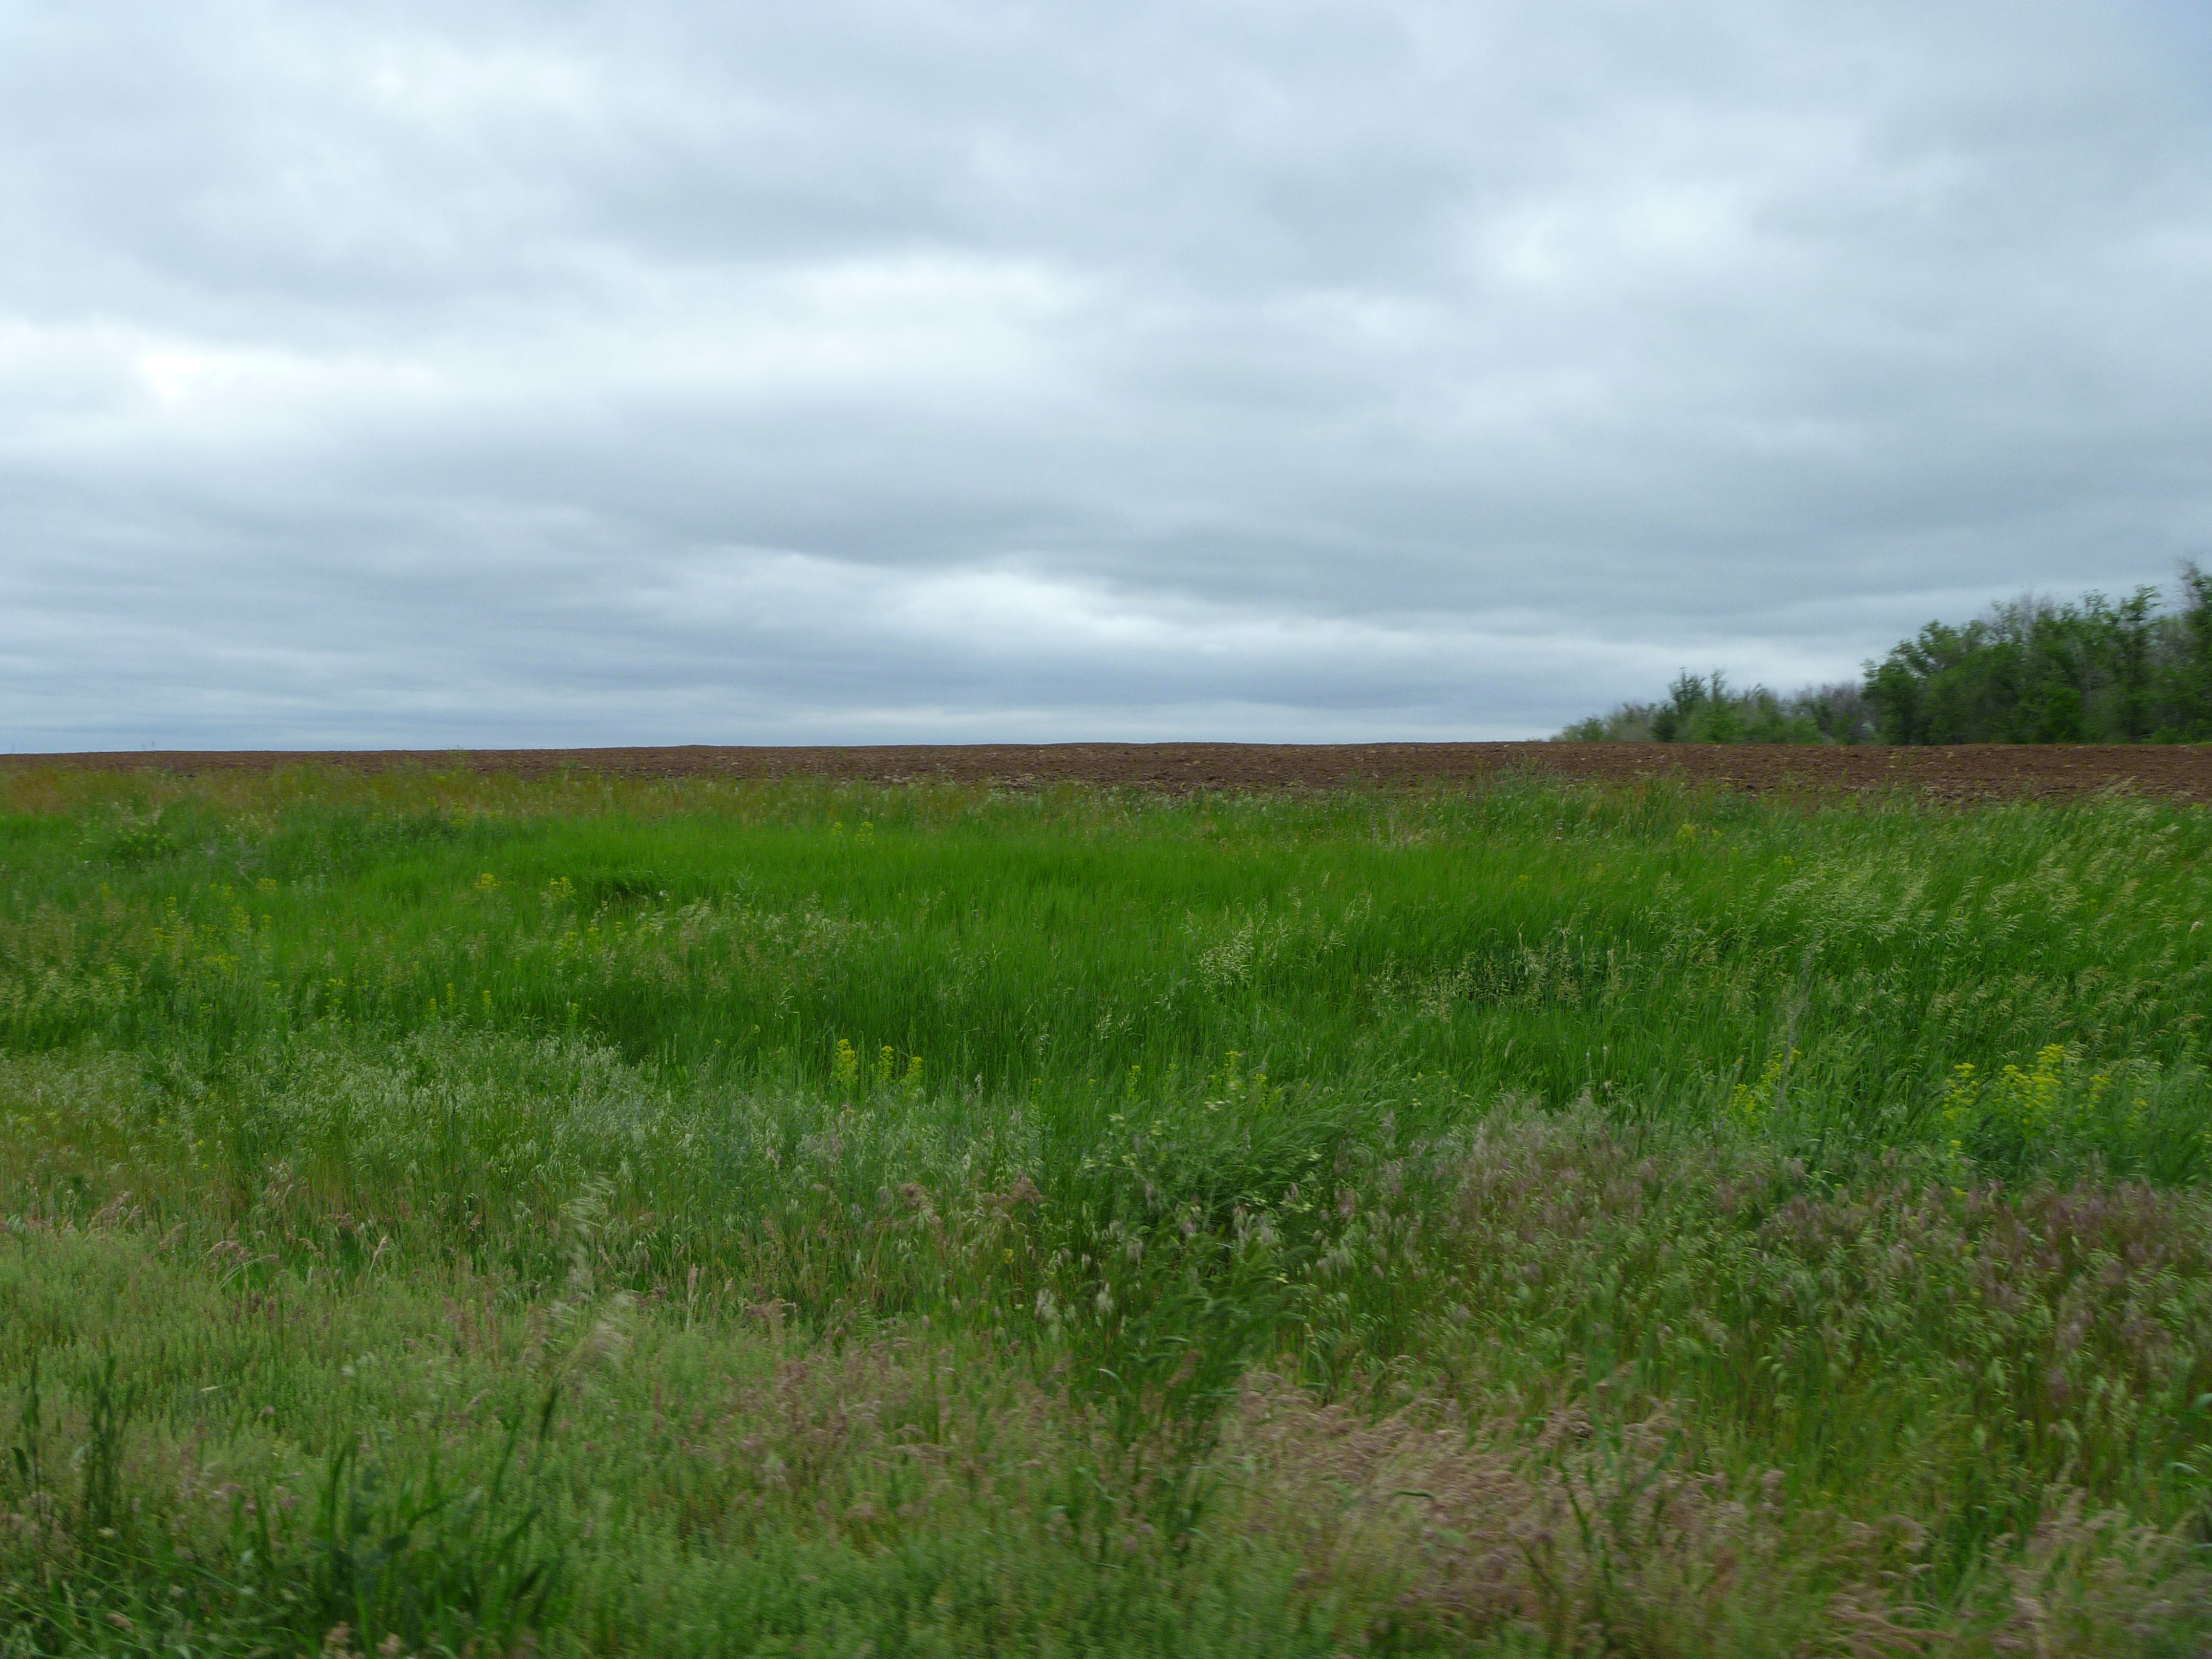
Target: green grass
[[698, 1218]]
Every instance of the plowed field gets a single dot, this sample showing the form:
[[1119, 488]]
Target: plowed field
[[1970, 772]]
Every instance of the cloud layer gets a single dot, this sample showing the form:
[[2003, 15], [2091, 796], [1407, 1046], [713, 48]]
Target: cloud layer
[[486, 374]]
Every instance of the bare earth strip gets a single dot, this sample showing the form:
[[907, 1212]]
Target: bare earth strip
[[1967, 772]]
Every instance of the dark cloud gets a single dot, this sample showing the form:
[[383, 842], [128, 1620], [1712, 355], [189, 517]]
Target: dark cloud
[[491, 373]]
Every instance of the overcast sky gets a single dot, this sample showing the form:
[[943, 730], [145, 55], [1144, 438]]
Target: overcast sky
[[877, 370]]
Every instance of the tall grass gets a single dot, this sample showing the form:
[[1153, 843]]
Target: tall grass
[[694, 1217]]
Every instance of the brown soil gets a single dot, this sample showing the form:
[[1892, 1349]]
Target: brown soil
[[1968, 772]]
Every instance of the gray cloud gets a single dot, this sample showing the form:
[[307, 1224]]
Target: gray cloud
[[488, 373]]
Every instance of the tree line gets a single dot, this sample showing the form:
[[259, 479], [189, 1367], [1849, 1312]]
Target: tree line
[[2028, 671]]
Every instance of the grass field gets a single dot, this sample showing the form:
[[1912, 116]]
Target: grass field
[[452, 1214]]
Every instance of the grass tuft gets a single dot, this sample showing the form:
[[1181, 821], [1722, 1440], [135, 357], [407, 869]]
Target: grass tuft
[[451, 1215]]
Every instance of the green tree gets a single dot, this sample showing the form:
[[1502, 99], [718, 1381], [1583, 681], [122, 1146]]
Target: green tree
[[2029, 670]]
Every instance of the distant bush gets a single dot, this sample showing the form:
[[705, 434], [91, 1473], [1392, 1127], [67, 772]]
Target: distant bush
[[2029, 670], [1707, 710]]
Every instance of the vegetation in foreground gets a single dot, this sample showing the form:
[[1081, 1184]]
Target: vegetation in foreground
[[2092, 670], [447, 1215]]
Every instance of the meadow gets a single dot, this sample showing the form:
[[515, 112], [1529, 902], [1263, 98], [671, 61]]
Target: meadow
[[451, 1214]]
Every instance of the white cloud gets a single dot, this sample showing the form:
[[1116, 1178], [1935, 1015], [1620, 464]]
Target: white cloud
[[486, 373]]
